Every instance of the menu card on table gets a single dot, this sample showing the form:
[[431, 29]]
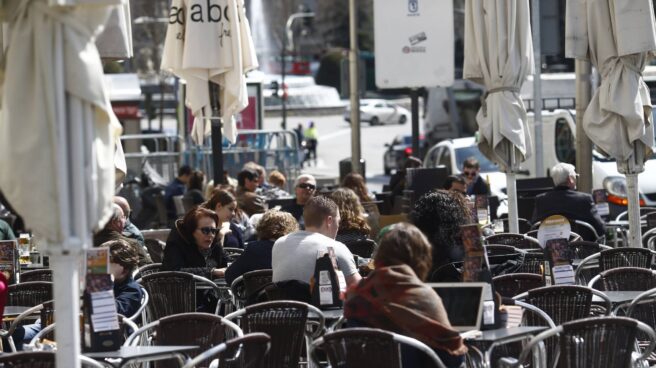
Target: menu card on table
[[560, 257], [100, 313], [600, 198], [475, 260], [8, 259]]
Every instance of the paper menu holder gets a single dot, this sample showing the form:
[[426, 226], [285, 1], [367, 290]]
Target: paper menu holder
[[559, 256], [476, 268], [327, 282], [102, 330], [9, 261]]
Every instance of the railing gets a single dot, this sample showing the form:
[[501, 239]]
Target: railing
[[162, 152]]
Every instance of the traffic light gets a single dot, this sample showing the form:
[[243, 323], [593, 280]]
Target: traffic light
[[276, 88]]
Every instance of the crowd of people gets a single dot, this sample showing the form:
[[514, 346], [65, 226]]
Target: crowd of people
[[289, 238]]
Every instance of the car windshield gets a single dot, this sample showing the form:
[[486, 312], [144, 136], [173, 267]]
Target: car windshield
[[466, 152]]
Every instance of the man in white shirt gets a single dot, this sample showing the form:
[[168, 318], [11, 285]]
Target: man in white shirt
[[294, 256]]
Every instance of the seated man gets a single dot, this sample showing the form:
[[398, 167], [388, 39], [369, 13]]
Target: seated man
[[176, 187], [565, 200], [247, 199], [113, 231], [475, 184], [294, 256], [305, 186], [129, 230]]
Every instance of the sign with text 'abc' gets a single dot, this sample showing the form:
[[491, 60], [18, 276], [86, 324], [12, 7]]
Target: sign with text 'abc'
[[413, 43]]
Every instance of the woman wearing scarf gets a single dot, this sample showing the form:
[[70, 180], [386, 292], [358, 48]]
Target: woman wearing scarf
[[395, 298]]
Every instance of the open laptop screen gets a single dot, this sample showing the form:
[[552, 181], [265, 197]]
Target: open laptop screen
[[463, 302]]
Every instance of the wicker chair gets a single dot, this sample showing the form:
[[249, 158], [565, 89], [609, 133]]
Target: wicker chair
[[516, 283], [362, 248], [524, 225], [562, 303], [247, 351], [127, 327], [368, 347], [519, 241], [201, 329], [36, 275], [254, 283], [171, 292], [40, 359], [533, 262], [232, 253], [603, 342], [155, 248], [147, 270], [624, 279], [498, 253], [624, 216], [626, 257], [29, 294], [238, 290], [23, 318], [286, 322], [583, 249]]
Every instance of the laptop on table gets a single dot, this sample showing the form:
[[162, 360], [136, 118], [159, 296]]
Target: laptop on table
[[463, 302]]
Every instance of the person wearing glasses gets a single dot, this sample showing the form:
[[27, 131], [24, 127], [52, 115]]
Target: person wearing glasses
[[564, 200], [224, 204], [113, 230], [305, 187], [130, 230], [475, 183], [195, 245]]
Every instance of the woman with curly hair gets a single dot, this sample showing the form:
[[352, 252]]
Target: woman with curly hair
[[353, 226], [355, 182], [438, 215], [257, 256], [394, 297]]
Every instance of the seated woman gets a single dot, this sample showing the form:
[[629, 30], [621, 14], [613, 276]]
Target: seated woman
[[257, 255], [195, 246], [353, 225], [395, 298], [225, 205], [356, 183], [439, 215]]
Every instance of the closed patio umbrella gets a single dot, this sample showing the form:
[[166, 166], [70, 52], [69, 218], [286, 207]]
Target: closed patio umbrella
[[210, 42], [618, 37], [499, 54], [57, 140]]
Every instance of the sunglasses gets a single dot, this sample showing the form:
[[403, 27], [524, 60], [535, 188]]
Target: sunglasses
[[469, 174], [209, 230], [307, 186]]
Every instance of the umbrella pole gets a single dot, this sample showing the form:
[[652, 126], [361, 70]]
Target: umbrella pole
[[217, 136], [635, 231], [511, 190]]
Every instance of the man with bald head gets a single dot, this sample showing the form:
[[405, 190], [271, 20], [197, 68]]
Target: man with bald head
[[130, 230]]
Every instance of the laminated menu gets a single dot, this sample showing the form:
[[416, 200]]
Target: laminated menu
[[482, 209], [600, 198], [560, 256], [100, 312], [8, 259], [97, 260], [475, 260]]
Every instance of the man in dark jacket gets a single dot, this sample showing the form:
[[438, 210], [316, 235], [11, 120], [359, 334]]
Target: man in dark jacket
[[475, 184], [113, 231], [176, 187], [565, 200]]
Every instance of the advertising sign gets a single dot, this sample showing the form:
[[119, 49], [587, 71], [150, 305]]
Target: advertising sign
[[413, 43]]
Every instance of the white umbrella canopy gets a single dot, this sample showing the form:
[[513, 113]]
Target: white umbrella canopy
[[57, 138], [499, 54], [210, 42], [618, 37]]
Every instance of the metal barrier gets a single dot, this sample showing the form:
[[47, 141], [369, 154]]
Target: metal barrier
[[162, 152], [273, 149]]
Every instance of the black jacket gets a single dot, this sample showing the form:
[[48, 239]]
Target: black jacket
[[478, 187], [127, 295], [257, 256], [182, 254], [569, 203]]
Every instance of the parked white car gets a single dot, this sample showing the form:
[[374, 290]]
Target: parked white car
[[377, 112]]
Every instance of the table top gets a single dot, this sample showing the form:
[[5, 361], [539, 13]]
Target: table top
[[501, 334], [617, 297], [132, 352], [14, 311]]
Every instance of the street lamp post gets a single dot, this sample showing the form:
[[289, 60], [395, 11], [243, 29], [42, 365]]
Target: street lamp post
[[288, 45]]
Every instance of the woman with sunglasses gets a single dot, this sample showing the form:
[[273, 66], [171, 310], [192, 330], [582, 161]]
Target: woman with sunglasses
[[195, 245], [225, 205]]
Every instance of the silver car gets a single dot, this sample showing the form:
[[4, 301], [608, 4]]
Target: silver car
[[377, 112]]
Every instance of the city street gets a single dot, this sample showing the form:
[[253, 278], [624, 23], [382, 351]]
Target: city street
[[335, 144]]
